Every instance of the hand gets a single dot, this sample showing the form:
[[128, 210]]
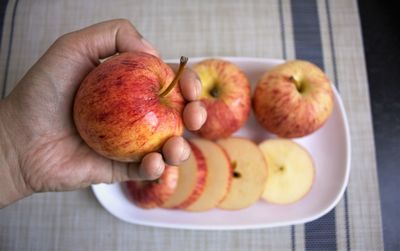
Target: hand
[[41, 149]]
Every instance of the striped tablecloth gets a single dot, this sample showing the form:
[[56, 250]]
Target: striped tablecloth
[[325, 32]]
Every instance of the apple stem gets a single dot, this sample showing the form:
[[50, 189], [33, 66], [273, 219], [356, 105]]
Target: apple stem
[[178, 75], [296, 82]]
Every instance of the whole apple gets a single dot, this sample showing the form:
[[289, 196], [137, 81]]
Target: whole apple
[[129, 106], [226, 96], [293, 99]]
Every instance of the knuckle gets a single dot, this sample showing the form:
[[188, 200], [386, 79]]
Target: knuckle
[[124, 23], [65, 38]]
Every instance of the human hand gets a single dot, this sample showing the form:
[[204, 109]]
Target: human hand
[[40, 147]]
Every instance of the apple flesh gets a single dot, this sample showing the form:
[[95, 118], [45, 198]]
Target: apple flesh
[[191, 182], [293, 99], [218, 179], [153, 193], [249, 173], [226, 96], [291, 171], [129, 106]]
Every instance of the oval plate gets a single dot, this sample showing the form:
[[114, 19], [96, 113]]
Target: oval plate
[[329, 147]]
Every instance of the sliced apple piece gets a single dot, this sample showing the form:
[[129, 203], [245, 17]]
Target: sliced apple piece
[[291, 171], [153, 193], [191, 182], [249, 173], [219, 175]]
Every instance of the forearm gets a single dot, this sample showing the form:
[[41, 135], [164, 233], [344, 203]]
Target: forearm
[[12, 184]]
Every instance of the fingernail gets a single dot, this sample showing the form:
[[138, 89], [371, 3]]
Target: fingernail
[[185, 151], [198, 87], [151, 173], [159, 170], [203, 113]]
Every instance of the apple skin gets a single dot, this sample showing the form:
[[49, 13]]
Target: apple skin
[[201, 176], [118, 111], [219, 175], [226, 96], [293, 99], [153, 193]]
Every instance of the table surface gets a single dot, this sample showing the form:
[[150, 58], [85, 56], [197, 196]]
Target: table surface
[[381, 43], [327, 33]]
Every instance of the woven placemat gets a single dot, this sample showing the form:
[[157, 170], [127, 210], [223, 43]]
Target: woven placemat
[[325, 32]]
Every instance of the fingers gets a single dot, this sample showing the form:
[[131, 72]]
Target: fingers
[[176, 150], [190, 85], [151, 167], [194, 115]]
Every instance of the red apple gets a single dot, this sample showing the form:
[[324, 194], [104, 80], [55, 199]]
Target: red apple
[[226, 96], [129, 106], [293, 99], [153, 193]]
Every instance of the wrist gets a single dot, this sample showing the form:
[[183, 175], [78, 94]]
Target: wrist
[[12, 183]]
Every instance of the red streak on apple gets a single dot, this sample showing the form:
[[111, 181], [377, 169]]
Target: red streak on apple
[[232, 168], [201, 175]]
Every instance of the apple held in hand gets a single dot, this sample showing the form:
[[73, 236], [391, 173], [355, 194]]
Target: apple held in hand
[[226, 95], [293, 99], [128, 106]]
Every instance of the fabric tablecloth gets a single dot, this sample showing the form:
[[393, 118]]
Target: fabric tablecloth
[[325, 32]]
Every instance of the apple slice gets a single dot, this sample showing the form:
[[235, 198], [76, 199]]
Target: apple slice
[[249, 173], [191, 182], [153, 193], [291, 171], [218, 178]]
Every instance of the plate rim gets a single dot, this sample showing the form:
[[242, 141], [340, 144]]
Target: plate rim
[[303, 220]]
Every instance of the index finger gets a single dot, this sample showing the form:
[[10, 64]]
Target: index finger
[[190, 85]]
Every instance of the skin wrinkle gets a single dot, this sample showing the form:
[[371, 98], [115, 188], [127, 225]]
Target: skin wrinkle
[[62, 48], [29, 158], [10, 154]]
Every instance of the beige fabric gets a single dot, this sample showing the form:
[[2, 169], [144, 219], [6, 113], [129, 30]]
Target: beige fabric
[[75, 221]]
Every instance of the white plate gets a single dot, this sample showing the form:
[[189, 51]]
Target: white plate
[[329, 146]]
